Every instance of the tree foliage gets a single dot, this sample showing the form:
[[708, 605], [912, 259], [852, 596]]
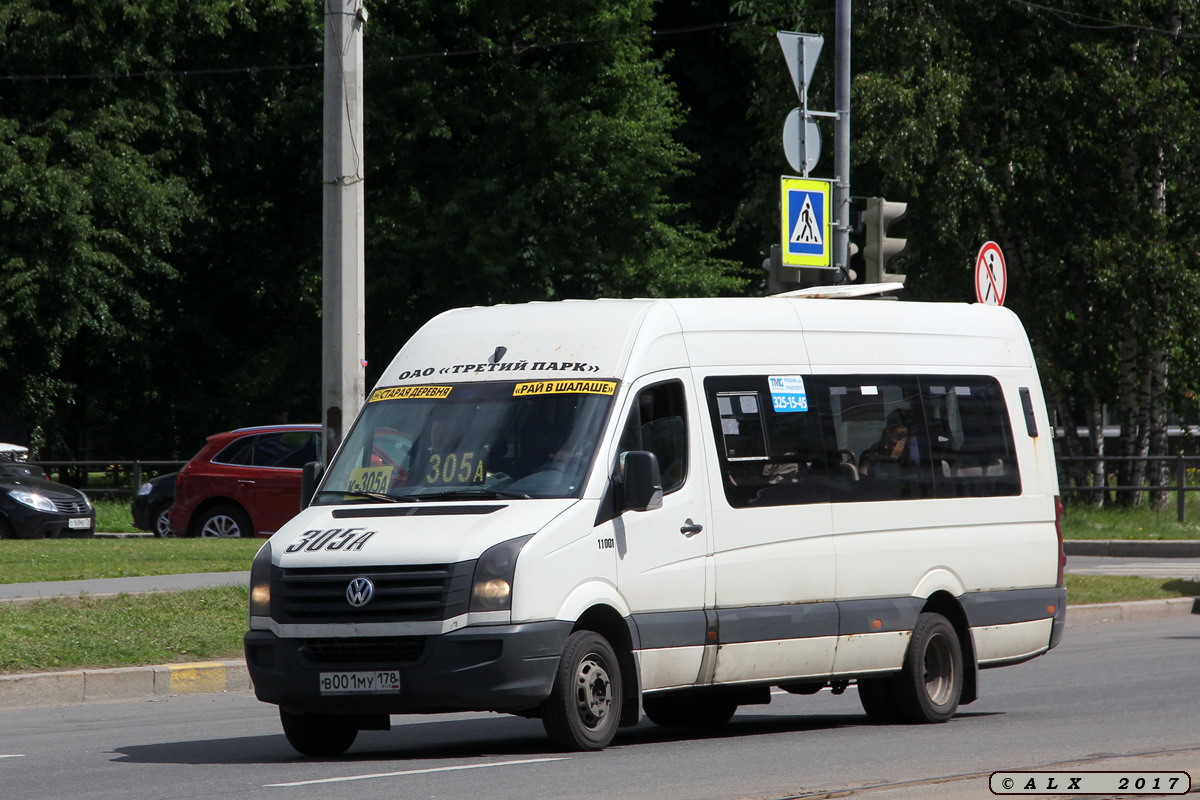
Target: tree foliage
[[160, 230]]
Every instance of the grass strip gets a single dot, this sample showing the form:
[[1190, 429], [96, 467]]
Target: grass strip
[[35, 560], [113, 515], [1088, 589], [123, 631], [1138, 523]]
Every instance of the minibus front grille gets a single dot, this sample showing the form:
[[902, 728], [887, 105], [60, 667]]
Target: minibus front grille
[[389, 650], [415, 593]]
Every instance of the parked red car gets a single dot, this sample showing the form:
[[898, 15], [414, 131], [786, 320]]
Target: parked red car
[[245, 482]]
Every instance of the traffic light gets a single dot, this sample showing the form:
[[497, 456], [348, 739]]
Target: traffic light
[[879, 249], [780, 278]]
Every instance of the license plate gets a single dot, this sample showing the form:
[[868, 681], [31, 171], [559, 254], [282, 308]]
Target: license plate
[[385, 681], [79, 523]]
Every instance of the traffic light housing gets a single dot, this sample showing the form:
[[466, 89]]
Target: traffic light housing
[[879, 249], [782, 278]]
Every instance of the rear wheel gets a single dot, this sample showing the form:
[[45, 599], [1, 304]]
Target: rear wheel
[[930, 684], [690, 709], [319, 735], [584, 707], [224, 522]]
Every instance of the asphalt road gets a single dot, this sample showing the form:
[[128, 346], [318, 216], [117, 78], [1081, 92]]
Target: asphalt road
[[1117, 695]]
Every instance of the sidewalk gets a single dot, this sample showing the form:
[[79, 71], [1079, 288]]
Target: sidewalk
[[127, 683]]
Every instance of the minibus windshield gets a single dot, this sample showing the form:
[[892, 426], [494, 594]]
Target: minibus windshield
[[466, 441]]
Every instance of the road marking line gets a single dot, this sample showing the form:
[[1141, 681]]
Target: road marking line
[[15, 755], [414, 772]]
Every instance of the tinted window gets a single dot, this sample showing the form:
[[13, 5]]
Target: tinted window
[[287, 450], [657, 423], [769, 440], [852, 438], [971, 437], [879, 428]]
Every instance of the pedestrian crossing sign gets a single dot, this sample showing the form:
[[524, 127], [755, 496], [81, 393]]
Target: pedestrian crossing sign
[[805, 222]]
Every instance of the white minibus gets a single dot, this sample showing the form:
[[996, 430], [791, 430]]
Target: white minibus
[[591, 511]]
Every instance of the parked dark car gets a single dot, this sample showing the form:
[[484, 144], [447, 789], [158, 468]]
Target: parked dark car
[[34, 508], [244, 482], [151, 505]]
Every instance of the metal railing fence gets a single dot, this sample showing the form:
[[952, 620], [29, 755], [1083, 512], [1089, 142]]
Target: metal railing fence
[[1179, 464], [105, 476]]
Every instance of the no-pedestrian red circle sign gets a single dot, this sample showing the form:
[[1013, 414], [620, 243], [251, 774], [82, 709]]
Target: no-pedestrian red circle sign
[[991, 276]]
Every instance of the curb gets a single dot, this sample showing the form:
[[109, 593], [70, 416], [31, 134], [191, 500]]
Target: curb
[[1139, 610], [124, 683], [131, 683], [1124, 548]]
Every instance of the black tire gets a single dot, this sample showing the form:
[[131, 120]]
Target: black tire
[[160, 521], [319, 735], [584, 707], [223, 522], [929, 686], [878, 698], [6, 529], [690, 709]]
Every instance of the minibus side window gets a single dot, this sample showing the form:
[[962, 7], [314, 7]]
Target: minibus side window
[[882, 438], [971, 437], [658, 423], [770, 453]]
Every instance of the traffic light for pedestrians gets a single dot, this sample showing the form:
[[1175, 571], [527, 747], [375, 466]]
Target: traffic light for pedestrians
[[880, 249]]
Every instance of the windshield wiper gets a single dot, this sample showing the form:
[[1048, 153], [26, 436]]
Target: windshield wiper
[[387, 498], [468, 493]]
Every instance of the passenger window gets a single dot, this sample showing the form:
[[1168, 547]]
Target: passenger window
[[657, 423], [769, 441], [882, 441], [289, 450], [971, 437]]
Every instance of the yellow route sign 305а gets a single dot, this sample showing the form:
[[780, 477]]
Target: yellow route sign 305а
[[805, 222]]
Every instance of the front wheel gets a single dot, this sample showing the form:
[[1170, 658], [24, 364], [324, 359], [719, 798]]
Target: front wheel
[[318, 735], [584, 707], [161, 521], [224, 522], [930, 684]]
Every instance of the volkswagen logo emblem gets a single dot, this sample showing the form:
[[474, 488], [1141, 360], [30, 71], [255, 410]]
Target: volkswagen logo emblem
[[359, 592]]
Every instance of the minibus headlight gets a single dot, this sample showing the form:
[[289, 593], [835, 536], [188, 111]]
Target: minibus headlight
[[260, 583], [491, 588]]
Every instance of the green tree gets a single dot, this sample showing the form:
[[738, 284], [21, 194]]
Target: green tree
[[160, 230], [533, 162]]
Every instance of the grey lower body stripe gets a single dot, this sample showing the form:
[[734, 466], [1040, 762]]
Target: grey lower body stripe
[[893, 614], [767, 623], [844, 618], [1015, 605]]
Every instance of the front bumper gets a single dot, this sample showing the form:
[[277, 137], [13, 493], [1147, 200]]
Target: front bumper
[[34, 524], [504, 668]]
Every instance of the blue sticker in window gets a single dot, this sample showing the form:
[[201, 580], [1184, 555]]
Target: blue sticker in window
[[787, 393]]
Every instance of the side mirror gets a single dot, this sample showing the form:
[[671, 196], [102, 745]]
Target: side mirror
[[310, 476], [642, 483]]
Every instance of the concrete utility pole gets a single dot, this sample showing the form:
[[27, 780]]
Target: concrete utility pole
[[342, 369], [841, 137]]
